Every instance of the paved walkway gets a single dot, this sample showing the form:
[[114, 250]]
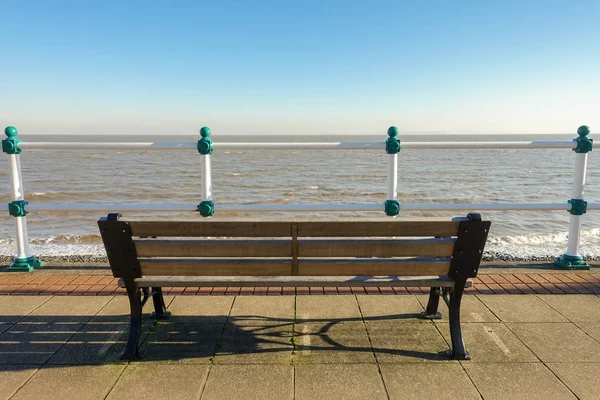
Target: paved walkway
[[301, 347]]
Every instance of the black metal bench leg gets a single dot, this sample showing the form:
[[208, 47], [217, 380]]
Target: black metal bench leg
[[432, 305], [132, 350], [160, 309], [457, 352]]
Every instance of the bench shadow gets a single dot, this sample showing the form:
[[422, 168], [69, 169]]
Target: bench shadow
[[58, 341]]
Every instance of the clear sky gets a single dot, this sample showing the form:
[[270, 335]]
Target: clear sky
[[326, 67]]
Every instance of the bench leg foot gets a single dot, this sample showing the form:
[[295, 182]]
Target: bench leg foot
[[126, 356], [432, 305], [160, 309], [458, 351], [450, 354], [132, 350]]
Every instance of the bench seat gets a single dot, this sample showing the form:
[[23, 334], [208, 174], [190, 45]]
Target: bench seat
[[278, 281]]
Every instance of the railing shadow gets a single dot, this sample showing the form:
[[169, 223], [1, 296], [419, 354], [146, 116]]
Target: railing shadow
[[55, 341]]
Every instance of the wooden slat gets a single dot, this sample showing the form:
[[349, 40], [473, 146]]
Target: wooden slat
[[213, 248], [376, 247], [210, 228], [215, 267], [378, 228], [293, 281], [358, 228], [374, 267]]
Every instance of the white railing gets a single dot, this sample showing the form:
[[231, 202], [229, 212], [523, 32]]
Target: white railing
[[576, 206]]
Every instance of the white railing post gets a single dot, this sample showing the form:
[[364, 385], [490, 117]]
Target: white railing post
[[205, 148], [392, 147], [23, 260], [572, 259]]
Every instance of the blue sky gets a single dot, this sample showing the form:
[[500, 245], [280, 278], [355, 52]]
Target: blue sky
[[328, 67]]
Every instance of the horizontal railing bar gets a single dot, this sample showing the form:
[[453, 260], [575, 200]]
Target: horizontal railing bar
[[37, 207], [567, 144], [492, 206], [484, 206], [294, 146], [192, 145], [302, 146], [190, 207], [298, 207], [40, 207], [107, 145]]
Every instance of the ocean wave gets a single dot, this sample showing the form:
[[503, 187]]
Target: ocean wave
[[39, 196], [270, 201], [69, 239]]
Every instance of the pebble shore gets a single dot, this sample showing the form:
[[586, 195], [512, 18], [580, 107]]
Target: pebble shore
[[98, 258]]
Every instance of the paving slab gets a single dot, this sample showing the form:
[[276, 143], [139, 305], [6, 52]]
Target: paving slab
[[581, 378], [576, 307], [233, 382], [389, 307], [202, 309], [12, 377], [66, 383], [471, 309], [96, 343], [13, 308], [591, 328], [557, 342], [34, 342], [255, 344], [332, 343], [318, 308], [395, 341], [160, 381], [263, 310], [181, 343], [348, 382], [422, 381], [490, 342], [515, 381], [511, 308], [76, 308], [117, 309]]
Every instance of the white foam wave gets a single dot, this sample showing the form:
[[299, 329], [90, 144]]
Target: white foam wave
[[517, 248], [542, 246]]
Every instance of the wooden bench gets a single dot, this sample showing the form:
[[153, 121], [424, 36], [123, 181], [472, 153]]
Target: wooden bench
[[440, 254]]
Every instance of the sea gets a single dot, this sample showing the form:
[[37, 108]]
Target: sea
[[304, 176]]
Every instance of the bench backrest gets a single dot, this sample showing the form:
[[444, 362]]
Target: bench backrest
[[137, 248]]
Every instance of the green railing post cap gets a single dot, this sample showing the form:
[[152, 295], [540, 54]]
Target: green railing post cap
[[578, 206], [205, 145], [16, 208], [206, 208], [584, 144], [392, 208], [392, 144], [10, 145]]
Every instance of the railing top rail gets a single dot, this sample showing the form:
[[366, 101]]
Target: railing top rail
[[537, 144]]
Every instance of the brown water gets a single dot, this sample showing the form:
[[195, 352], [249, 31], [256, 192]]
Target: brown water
[[320, 176]]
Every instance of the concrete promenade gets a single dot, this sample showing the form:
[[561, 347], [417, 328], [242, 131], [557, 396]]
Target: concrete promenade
[[353, 346]]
